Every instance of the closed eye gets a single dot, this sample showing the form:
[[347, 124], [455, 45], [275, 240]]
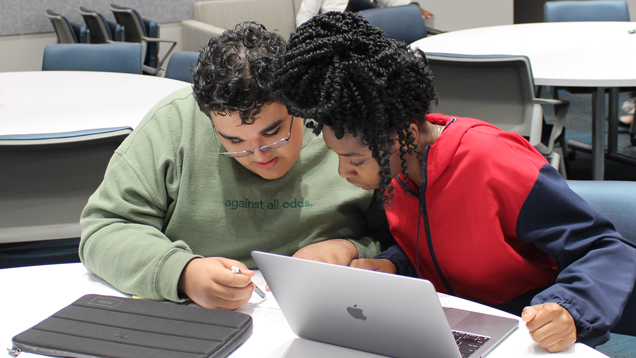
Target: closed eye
[[356, 164], [271, 134]]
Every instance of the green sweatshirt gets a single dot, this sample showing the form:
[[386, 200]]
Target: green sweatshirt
[[167, 197]]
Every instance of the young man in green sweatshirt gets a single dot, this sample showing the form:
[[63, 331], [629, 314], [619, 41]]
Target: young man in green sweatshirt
[[214, 172]]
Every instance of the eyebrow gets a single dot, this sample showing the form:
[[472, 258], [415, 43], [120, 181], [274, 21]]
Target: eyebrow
[[262, 132]]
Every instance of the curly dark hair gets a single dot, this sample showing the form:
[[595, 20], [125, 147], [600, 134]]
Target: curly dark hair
[[235, 70], [348, 75]]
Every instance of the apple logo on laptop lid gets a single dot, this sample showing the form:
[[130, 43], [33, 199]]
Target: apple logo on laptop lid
[[356, 313]]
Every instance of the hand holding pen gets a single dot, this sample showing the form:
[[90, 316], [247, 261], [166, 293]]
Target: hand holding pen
[[259, 292], [210, 283]]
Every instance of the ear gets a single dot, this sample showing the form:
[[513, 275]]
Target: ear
[[415, 132]]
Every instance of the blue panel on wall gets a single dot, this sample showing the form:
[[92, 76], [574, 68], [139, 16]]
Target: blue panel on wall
[[27, 16]]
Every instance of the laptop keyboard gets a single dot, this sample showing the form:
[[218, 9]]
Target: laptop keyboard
[[468, 343]]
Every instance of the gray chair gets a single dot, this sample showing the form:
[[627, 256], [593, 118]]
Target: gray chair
[[48, 179], [67, 32], [181, 65], [402, 23], [604, 10], [145, 32], [500, 91], [616, 200], [120, 57], [101, 30]]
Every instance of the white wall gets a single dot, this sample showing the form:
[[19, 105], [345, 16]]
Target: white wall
[[465, 14], [24, 52]]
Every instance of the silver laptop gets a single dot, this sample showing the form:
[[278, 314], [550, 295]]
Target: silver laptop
[[376, 312]]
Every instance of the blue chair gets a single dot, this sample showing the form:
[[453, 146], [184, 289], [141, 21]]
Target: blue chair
[[120, 57], [604, 10], [402, 23], [145, 32], [67, 32], [181, 65], [616, 200], [48, 179], [101, 30]]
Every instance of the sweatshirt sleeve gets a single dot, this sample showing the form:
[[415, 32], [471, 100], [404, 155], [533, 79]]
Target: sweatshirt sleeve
[[597, 266], [122, 241], [308, 9]]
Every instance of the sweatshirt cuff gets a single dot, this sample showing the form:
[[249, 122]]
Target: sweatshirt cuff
[[167, 279], [366, 246]]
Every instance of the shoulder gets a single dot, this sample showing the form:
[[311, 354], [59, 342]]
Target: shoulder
[[172, 120]]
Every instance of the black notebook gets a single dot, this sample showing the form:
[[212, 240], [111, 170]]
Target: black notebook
[[106, 326]]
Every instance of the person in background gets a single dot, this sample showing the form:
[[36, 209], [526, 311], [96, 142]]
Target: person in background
[[311, 8], [218, 170], [477, 211]]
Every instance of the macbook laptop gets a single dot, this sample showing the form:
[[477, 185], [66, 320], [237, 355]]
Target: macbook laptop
[[376, 312]]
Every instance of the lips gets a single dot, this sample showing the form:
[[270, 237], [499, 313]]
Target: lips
[[354, 183], [267, 164]]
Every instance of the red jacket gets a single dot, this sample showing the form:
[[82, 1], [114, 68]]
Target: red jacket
[[472, 221], [494, 221]]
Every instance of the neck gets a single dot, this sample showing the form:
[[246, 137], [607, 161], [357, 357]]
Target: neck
[[428, 134]]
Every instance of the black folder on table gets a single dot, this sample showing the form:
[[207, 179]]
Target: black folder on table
[[106, 326]]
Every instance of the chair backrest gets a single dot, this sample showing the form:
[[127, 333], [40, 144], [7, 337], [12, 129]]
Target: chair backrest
[[496, 89], [602, 10], [48, 179], [616, 200], [181, 65], [135, 28], [403, 23], [101, 30], [66, 31], [121, 57]]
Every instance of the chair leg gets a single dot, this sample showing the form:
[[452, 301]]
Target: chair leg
[[632, 133]]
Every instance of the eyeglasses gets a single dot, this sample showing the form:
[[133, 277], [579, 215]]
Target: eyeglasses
[[246, 153]]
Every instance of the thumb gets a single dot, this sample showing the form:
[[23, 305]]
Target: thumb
[[528, 313], [228, 263]]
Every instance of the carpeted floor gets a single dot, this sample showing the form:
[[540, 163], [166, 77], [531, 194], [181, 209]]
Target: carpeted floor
[[579, 126], [619, 346]]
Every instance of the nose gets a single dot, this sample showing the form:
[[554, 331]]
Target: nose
[[260, 156], [345, 170]]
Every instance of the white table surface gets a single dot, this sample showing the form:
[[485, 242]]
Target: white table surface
[[61, 101], [599, 55], [30, 294], [573, 54]]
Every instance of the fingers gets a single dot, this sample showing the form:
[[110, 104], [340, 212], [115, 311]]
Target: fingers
[[210, 283], [228, 263], [551, 326], [528, 314], [334, 251], [382, 265]]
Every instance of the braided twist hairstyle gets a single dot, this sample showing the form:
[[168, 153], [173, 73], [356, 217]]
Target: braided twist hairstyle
[[235, 71], [348, 75]]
